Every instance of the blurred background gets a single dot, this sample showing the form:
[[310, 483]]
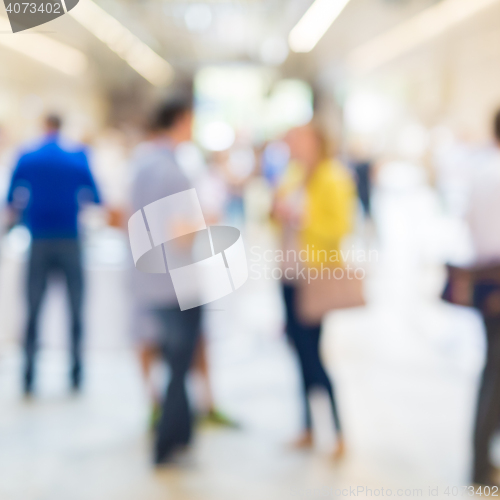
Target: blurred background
[[407, 88]]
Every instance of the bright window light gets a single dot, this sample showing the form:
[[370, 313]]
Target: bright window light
[[217, 136], [123, 42], [198, 17], [314, 24], [368, 112], [45, 50], [421, 28]]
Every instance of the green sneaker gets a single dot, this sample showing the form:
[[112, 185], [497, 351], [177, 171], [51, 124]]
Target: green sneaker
[[154, 416], [217, 418]]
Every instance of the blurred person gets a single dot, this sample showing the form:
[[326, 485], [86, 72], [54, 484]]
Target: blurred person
[[50, 184], [213, 195], [236, 165], [210, 414], [160, 324], [315, 205], [274, 159], [362, 167], [484, 223]]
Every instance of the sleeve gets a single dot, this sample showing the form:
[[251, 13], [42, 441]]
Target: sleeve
[[88, 182], [18, 180]]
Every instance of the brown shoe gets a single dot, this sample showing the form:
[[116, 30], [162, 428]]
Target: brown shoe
[[305, 441], [339, 452]]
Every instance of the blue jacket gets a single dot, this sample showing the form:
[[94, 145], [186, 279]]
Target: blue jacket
[[49, 186]]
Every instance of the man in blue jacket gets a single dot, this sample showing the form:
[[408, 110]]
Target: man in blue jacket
[[48, 188]]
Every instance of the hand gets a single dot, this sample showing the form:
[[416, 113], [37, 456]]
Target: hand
[[115, 217], [287, 214], [182, 233], [12, 217]]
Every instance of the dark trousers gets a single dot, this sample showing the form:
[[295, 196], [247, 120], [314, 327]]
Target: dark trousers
[[488, 405], [306, 341], [178, 342], [47, 258]]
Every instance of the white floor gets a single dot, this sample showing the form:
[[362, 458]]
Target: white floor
[[405, 367]]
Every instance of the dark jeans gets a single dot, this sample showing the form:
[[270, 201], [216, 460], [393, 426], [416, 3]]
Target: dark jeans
[[488, 405], [306, 341], [54, 257], [178, 342]]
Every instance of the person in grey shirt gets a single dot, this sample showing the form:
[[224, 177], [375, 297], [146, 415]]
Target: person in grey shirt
[[159, 323]]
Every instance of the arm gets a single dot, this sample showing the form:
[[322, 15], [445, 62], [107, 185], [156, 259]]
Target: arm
[[286, 207], [18, 179], [88, 182], [17, 195]]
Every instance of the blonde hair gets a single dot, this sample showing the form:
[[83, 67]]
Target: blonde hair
[[325, 142]]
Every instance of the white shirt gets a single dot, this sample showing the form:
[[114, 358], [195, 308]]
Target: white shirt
[[483, 214]]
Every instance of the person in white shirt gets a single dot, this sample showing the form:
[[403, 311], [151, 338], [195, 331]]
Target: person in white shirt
[[484, 222], [484, 208]]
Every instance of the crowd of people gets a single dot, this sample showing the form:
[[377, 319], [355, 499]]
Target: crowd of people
[[314, 207]]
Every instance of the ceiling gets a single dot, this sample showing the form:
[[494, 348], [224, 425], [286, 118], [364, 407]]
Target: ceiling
[[190, 34]]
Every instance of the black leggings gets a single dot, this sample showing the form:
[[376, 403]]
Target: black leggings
[[306, 341]]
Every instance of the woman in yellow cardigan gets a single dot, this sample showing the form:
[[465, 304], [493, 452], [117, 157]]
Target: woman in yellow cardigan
[[314, 206]]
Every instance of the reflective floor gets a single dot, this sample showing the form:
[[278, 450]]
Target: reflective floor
[[405, 367]]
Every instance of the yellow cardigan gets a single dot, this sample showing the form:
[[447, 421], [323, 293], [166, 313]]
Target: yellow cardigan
[[330, 201]]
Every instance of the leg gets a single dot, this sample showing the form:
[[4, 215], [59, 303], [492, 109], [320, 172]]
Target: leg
[[147, 357], [146, 325], [71, 266], [488, 406], [181, 331], [315, 376], [38, 271], [306, 340], [314, 371], [307, 343], [201, 366], [294, 333]]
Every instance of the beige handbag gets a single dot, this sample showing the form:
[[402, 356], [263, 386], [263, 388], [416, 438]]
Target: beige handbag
[[316, 298]]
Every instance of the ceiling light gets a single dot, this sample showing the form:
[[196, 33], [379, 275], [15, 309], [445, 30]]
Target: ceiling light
[[314, 24], [421, 28], [45, 50], [123, 42]]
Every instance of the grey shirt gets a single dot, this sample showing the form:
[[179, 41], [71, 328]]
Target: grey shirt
[[157, 175]]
